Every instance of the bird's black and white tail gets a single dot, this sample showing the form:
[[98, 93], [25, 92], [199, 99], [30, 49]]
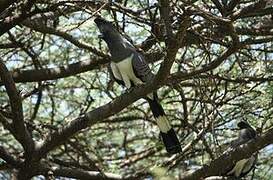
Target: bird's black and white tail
[[167, 133]]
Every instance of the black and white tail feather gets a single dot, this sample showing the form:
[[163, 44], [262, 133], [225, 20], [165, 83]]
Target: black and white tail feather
[[129, 69], [167, 133]]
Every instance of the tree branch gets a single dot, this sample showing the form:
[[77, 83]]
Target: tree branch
[[80, 174], [58, 72], [20, 131], [35, 75], [246, 11], [165, 16], [172, 43]]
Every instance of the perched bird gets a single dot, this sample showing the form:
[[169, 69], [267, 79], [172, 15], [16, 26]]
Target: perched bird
[[244, 166], [129, 68]]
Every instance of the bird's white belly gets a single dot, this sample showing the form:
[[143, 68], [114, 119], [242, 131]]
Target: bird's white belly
[[239, 167], [123, 70]]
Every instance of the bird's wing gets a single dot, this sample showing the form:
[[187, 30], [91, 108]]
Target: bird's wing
[[141, 68]]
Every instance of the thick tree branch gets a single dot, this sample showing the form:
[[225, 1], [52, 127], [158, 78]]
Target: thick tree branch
[[173, 44], [67, 70], [93, 117], [58, 72], [165, 16], [225, 161], [46, 170], [80, 174], [20, 131]]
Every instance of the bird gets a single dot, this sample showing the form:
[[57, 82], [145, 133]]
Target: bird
[[129, 68], [243, 166]]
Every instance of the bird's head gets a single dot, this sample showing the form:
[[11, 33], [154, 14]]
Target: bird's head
[[107, 29], [246, 131], [243, 125]]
